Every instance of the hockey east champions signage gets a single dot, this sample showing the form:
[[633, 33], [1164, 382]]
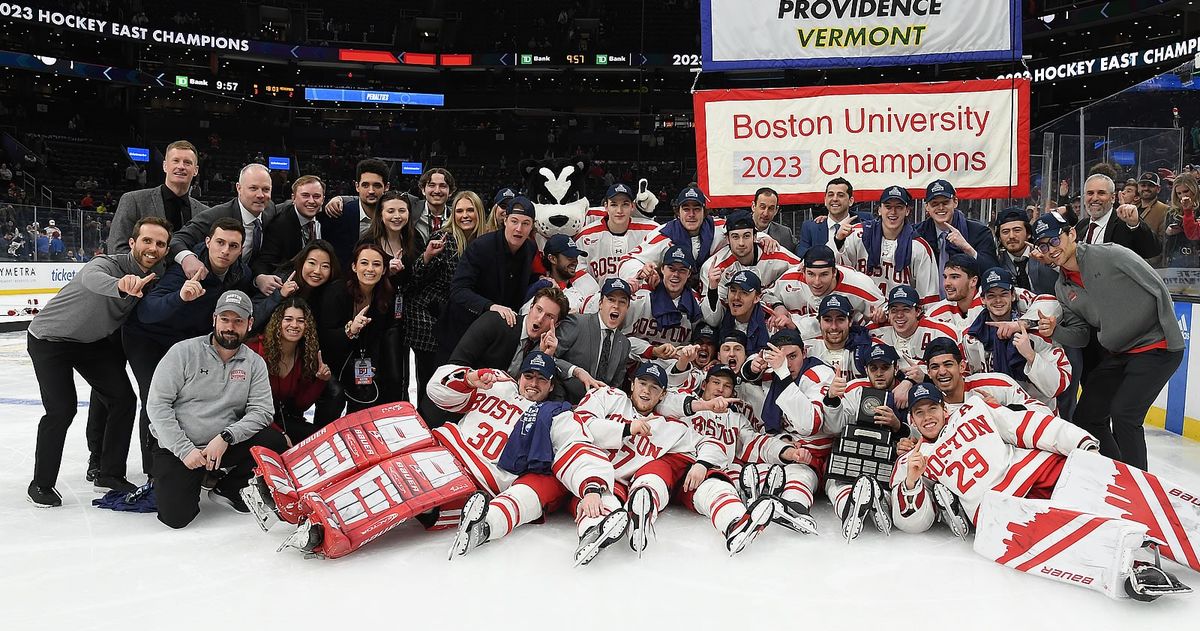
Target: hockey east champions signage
[[108, 28], [794, 140], [750, 34]]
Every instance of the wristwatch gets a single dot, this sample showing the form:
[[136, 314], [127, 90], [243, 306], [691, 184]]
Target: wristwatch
[[226, 436]]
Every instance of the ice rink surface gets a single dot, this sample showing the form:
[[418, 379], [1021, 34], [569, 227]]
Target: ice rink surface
[[80, 567]]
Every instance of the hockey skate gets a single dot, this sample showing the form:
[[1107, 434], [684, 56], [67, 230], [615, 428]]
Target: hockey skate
[[600, 536], [950, 511], [743, 531], [862, 502], [306, 538], [1148, 581], [748, 482], [881, 514], [772, 485], [473, 529], [794, 516], [258, 499], [641, 519]]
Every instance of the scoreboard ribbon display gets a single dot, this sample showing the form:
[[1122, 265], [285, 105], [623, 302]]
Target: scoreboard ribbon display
[[794, 140], [754, 34]]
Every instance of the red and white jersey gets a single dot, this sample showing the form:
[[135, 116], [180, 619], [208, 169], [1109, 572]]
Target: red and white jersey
[[921, 273], [795, 295], [1027, 303], [842, 360], [768, 267], [911, 349], [1046, 377], [640, 326], [1000, 387], [731, 431], [804, 415], [984, 448], [479, 438], [606, 413], [652, 249], [605, 249]]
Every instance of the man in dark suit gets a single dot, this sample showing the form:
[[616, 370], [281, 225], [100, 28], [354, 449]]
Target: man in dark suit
[[1012, 232], [949, 232], [1122, 225], [169, 201], [764, 210], [493, 274], [293, 229], [839, 199], [490, 342], [252, 207], [592, 351], [345, 220]]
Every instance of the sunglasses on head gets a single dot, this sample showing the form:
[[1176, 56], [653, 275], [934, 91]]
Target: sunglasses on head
[[1052, 242]]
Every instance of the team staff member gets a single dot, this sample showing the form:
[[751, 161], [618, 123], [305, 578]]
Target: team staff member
[[210, 402], [72, 334], [295, 228], [1104, 224], [820, 230], [169, 201], [1113, 290], [347, 219], [764, 211]]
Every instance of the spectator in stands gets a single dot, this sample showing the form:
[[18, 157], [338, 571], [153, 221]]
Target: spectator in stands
[[428, 292], [57, 248], [352, 317], [392, 231], [1129, 192], [1182, 236], [1125, 228], [296, 226], [169, 200], [496, 216], [6, 174], [430, 215], [43, 247], [948, 231], [210, 403], [294, 361], [73, 333], [252, 207], [492, 275], [87, 203], [1012, 232], [346, 219], [180, 306], [141, 177], [1151, 209], [764, 210]]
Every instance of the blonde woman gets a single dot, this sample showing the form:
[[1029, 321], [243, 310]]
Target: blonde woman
[[1181, 242]]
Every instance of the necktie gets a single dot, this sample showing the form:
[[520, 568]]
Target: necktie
[[256, 238], [435, 222], [942, 256], [310, 232], [1022, 275], [605, 350], [1090, 232]]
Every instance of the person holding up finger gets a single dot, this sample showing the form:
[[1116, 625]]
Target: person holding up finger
[[592, 352], [392, 230], [298, 372], [71, 334], [948, 231]]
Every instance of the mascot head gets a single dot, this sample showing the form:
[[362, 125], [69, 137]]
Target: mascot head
[[558, 190]]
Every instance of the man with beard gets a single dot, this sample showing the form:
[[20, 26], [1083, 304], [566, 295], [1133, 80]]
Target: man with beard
[[840, 342], [72, 334], [592, 351], [796, 296], [948, 231], [1013, 232], [294, 229], [209, 403], [560, 258], [609, 240], [1151, 209], [888, 249], [1122, 225], [347, 218], [743, 253]]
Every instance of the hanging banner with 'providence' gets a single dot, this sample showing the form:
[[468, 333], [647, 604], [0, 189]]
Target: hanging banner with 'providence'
[[750, 34], [973, 133]]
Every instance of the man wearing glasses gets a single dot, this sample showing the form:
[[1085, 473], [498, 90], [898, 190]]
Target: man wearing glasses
[[1110, 288]]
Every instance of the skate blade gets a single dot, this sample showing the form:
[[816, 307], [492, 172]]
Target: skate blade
[[263, 515], [298, 539], [611, 534], [760, 518], [471, 513]]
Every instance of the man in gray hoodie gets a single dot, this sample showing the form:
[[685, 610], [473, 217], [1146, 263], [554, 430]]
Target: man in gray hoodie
[[209, 403], [1110, 288]]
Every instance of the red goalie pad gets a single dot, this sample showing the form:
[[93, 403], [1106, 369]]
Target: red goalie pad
[[363, 507], [339, 450]]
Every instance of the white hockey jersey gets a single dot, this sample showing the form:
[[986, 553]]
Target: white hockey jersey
[[921, 273], [911, 349], [656, 243], [479, 438], [795, 295], [1046, 377], [605, 249], [1000, 387], [731, 431], [768, 267]]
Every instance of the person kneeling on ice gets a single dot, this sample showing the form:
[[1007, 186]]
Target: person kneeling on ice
[[654, 456], [1043, 501], [526, 462]]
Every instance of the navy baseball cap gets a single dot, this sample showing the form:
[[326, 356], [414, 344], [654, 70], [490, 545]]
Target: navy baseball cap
[[676, 255], [691, 194], [787, 337], [539, 362], [883, 353], [704, 332], [618, 189], [739, 220], [562, 244], [615, 284], [1012, 214], [819, 256], [1049, 225], [941, 346], [903, 295], [652, 371], [503, 196], [721, 370], [939, 188], [520, 205], [996, 277], [834, 302], [734, 335], [745, 280], [923, 392], [964, 262], [896, 192]]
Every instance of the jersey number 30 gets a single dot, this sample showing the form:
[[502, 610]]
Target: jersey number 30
[[488, 441]]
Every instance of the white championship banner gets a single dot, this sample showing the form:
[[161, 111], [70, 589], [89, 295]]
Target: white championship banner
[[973, 133], [755, 34]]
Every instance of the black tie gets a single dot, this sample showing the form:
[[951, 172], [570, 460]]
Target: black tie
[[1090, 232], [310, 232], [256, 240], [605, 351]]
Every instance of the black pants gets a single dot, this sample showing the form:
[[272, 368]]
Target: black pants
[[144, 354], [427, 363], [101, 367], [97, 411], [1116, 396], [177, 488]]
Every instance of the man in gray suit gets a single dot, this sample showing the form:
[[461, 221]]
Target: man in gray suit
[[764, 210], [252, 206], [592, 351], [169, 201]]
